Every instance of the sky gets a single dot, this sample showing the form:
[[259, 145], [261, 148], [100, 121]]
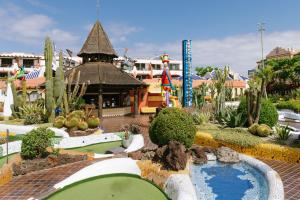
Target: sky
[[223, 32]]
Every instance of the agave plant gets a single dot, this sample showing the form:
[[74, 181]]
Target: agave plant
[[230, 117], [283, 132]]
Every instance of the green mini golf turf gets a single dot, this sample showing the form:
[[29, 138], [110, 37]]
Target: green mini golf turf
[[98, 148], [115, 187], [3, 159]]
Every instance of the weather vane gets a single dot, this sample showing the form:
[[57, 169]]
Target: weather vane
[[98, 8]]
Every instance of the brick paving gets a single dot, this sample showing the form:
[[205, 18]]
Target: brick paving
[[38, 184], [290, 176]]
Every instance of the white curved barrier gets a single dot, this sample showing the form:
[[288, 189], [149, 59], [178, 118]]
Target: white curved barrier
[[180, 187], [111, 166], [136, 143], [21, 129], [276, 191]]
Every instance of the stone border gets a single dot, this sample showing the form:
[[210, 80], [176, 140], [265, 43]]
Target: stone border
[[276, 191], [179, 187]]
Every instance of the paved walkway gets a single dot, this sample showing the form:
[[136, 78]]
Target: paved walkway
[[37, 184], [290, 176]]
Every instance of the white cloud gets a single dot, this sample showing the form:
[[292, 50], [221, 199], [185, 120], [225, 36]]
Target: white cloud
[[17, 25], [240, 52], [119, 32]]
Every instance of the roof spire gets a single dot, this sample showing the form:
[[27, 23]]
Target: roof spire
[[98, 9]]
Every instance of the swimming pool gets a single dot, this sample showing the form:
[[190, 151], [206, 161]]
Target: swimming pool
[[219, 181]]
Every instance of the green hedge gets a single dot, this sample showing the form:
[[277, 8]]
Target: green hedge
[[172, 124], [268, 113], [290, 104]]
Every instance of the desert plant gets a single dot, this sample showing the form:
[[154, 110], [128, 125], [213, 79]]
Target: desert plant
[[200, 117], [219, 83], [263, 130], [82, 125], [282, 132], [35, 142], [33, 113], [172, 124], [253, 128], [71, 122], [268, 113], [93, 122], [230, 117], [58, 123]]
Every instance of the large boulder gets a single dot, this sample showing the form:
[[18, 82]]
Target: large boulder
[[227, 155], [198, 154], [173, 155]]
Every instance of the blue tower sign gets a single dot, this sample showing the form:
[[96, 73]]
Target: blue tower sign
[[187, 73]]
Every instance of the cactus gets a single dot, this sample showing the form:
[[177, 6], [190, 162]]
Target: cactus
[[77, 113], [71, 122], [24, 91], [263, 130], [253, 128], [93, 122], [59, 84], [219, 84], [49, 99], [58, 123], [78, 90], [253, 100], [82, 125]]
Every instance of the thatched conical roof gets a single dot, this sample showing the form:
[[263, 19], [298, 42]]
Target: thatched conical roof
[[97, 43]]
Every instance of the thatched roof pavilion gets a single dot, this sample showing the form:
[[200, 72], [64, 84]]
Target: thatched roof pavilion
[[97, 68]]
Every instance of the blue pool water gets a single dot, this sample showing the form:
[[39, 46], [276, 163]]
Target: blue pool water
[[218, 181]]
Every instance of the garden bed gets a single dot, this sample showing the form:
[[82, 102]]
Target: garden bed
[[27, 166]]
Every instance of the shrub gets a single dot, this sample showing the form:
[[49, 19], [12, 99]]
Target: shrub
[[35, 142], [93, 122], [268, 113], [1, 118], [172, 124], [283, 132], [290, 104], [82, 125], [253, 128], [263, 130]]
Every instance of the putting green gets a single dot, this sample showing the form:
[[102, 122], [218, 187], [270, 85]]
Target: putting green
[[98, 148], [3, 159], [110, 187]]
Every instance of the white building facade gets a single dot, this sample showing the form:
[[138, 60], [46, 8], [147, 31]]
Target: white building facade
[[151, 68]]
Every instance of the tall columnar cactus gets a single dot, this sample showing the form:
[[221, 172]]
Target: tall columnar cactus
[[253, 100], [59, 84], [24, 91], [219, 83], [49, 100]]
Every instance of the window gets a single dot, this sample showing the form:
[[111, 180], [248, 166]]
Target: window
[[156, 67], [6, 62], [28, 62], [140, 66], [174, 66]]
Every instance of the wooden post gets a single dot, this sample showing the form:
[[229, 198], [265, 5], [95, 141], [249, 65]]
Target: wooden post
[[7, 137], [136, 102], [100, 102]]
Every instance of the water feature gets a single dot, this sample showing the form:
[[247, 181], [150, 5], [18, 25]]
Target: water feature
[[220, 181]]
